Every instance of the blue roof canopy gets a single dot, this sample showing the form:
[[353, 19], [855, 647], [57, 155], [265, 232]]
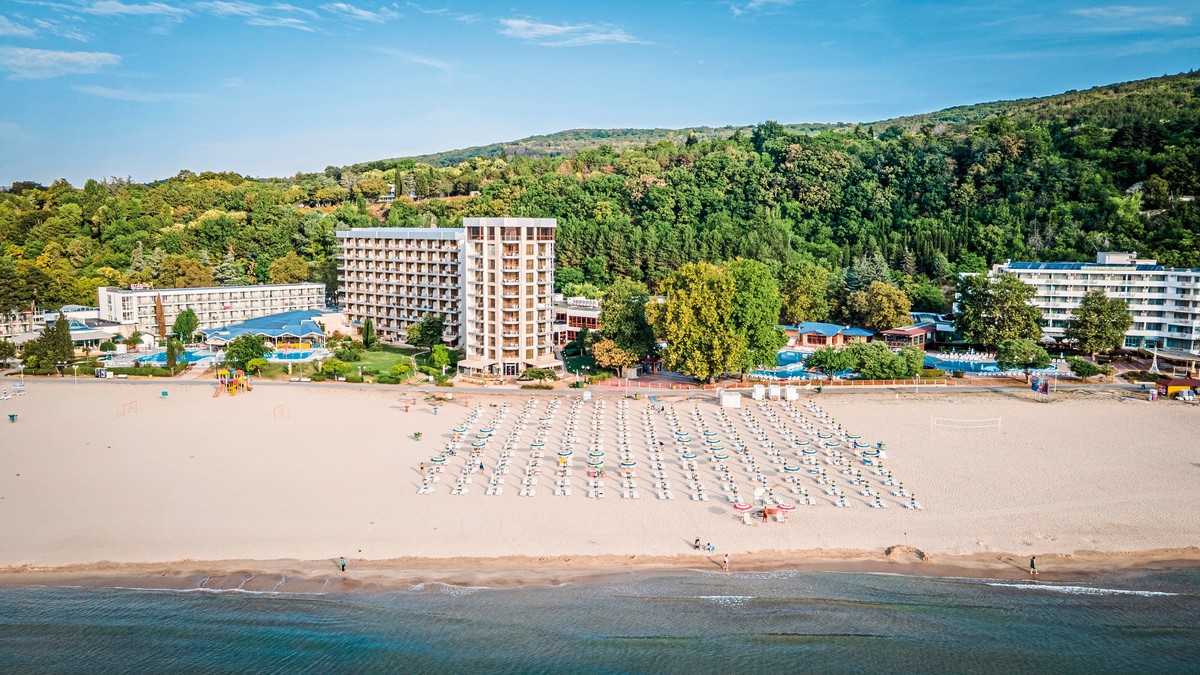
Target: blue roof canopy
[[828, 329], [296, 323]]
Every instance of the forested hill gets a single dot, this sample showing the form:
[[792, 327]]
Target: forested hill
[[1107, 105], [828, 212]]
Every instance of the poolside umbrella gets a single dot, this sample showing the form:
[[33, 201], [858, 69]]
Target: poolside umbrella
[[741, 506]]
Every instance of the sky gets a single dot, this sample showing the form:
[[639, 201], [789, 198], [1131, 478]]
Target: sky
[[146, 88]]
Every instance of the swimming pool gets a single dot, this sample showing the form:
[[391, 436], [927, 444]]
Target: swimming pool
[[187, 356], [791, 365], [291, 355], [990, 367]]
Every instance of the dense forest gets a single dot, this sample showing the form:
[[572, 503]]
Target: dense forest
[[829, 212]]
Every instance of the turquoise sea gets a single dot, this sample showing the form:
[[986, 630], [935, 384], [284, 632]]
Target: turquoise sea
[[696, 622]]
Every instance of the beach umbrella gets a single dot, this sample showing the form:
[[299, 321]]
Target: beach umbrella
[[478, 444], [595, 462], [537, 444], [791, 469], [438, 460], [741, 506], [853, 436], [871, 453], [785, 507], [803, 443], [710, 433], [808, 451], [595, 453], [628, 464], [832, 444], [861, 445], [565, 453], [711, 441], [721, 457], [688, 455], [459, 430]]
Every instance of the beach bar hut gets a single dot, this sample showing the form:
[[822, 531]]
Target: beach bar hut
[[1170, 386], [773, 391], [791, 393], [760, 392], [731, 399]]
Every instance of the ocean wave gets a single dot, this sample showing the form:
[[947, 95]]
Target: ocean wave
[[447, 589], [1082, 590]]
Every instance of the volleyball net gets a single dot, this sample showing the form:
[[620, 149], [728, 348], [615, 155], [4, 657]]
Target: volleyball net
[[128, 408], [953, 423]]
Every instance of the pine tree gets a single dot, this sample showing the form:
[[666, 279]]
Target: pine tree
[[137, 259], [229, 272], [202, 256], [154, 261]]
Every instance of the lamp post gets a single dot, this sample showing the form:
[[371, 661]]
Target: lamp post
[[75, 367]]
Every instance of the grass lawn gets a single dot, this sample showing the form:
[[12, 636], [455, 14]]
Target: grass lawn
[[384, 359]]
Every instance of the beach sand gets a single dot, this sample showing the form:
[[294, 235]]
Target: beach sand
[[281, 481]]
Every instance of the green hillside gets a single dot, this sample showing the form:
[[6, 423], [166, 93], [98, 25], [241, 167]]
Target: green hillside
[[1108, 105]]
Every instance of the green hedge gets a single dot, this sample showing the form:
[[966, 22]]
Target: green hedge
[[317, 377], [930, 373], [536, 386], [354, 379]]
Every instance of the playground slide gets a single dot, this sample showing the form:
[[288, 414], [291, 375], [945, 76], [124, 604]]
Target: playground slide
[[217, 392]]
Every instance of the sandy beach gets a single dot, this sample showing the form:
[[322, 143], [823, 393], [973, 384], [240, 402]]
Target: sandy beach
[[281, 481]]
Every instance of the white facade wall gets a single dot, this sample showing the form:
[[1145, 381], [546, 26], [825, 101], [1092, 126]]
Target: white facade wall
[[214, 306], [1163, 302], [395, 276]]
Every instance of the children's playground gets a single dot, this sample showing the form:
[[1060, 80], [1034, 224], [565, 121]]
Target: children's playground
[[232, 382]]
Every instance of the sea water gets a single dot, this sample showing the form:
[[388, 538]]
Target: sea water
[[692, 622]]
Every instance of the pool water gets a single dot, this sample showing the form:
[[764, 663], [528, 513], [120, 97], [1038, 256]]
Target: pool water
[[187, 356], [791, 365], [291, 355], [972, 366]]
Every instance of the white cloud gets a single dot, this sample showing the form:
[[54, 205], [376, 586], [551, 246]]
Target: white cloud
[[116, 8], [38, 64], [446, 69], [1122, 18], [566, 35], [278, 14], [10, 28], [349, 11], [755, 5], [135, 95]]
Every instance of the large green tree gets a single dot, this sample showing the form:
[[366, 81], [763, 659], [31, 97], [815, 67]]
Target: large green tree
[[623, 318], [242, 349], [426, 333], [290, 269], [804, 287], [755, 314], [830, 361], [695, 321], [185, 325], [881, 306], [1021, 354], [991, 311], [1099, 324]]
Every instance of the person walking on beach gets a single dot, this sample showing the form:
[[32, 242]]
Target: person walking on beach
[[725, 563], [1033, 566], [343, 561], [696, 545]]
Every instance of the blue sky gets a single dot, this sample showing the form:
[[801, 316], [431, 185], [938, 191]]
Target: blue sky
[[145, 88]]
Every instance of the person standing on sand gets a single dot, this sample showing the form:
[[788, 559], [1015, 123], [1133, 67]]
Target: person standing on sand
[[1033, 566], [343, 564], [725, 563]]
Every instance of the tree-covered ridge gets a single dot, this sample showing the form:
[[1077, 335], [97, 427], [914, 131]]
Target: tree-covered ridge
[[1110, 105], [829, 214]]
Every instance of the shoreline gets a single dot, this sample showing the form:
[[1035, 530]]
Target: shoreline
[[304, 577]]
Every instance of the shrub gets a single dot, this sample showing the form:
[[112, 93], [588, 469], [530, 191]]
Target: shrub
[[354, 379], [537, 386], [598, 377], [370, 371], [930, 373], [387, 379], [317, 377], [538, 374], [444, 383], [137, 370], [960, 373], [400, 371], [349, 354], [432, 372], [1084, 368], [1132, 376]]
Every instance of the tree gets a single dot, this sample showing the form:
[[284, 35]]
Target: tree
[[290, 269], [427, 333], [134, 339], [245, 348], [539, 374], [865, 271], [59, 346], [623, 318], [755, 313], [695, 322], [830, 361], [804, 287], [180, 271], [608, 355], [881, 307], [108, 346], [567, 276], [400, 371], [368, 333], [875, 361], [256, 365], [8, 351], [335, 368], [186, 323], [991, 311], [160, 317], [230, 272], [439, 357], [584, 339], [1021, 353], [583, 290], [1099, 325], [174, 349]]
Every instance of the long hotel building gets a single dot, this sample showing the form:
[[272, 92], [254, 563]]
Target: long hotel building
[[215, 306], [492, 280], [1164, 302]]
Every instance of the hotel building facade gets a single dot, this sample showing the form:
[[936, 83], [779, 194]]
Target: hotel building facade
[[214, 306], [1164, 302], [492, 280]]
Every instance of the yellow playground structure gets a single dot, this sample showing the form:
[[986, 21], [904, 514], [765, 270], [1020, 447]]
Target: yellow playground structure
[[232, 382]]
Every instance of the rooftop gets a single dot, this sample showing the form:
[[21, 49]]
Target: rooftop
[[202, 289], [828, 329], [296, 323]]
